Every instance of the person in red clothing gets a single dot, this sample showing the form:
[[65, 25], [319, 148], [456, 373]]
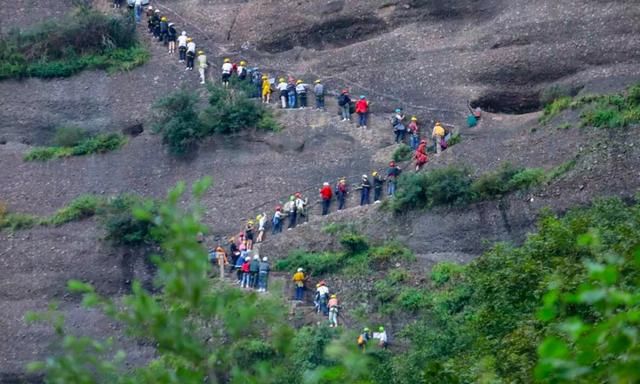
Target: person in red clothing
[[421, 155], [326, 194], [362, 109]]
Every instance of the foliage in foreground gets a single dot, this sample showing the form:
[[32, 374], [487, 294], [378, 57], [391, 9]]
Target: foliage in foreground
[[604, 111], [201, 332], [101, 143], [182, 123], [86, 39]]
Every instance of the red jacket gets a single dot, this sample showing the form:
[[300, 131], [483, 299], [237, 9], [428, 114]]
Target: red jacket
[[245, 267], [326, 193], [362, 106]]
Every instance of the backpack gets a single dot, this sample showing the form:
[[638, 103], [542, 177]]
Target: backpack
[[243, 73], [395, 120], [361, 340], [472, 121], [343, 100]]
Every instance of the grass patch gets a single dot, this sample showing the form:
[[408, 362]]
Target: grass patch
[[85, 39], [402, 153], [554, 108], [507, 179], [101, 143], [80, 208], [183, 123]]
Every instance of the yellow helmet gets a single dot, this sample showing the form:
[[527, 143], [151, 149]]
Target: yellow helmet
[[258, 217], [264, 77], [281, 79], [242, 62], [226, 60], [251, 222], [189, 39], [375, 173], [318, 81], [164, 18], [413, 118], [200, 52], [299, 82]]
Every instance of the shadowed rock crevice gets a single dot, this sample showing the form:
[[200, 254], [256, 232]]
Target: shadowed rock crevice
[[512, 102], [338, 32]]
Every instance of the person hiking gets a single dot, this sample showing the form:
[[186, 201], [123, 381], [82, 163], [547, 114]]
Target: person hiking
[[156, 23], [150, 14], [301, 207], [333, 311], [227, 67], [363, 339], [298, 281], [318, 90], [301, 91], [191, 54], [364, 193], [241, 70], [474, 115], [398, 126], [341, 192], [172, 35], [266, 90], [362, 109], [262, 223], [202, 65], [238, 266], [164, 30], [415, 133], [291, 92], [254, 268], [221, 259], [438, 137], [182, 47], [378, 183], [344, 102], [326, 194], [246, 272], [316, 300], [277, 221], [393, 172], [234, 252], [263, 275], [256, 80], [248, 234], [291, 210], [282, 87], [421, 155], [137, 9], [323, 297], [381, 335]]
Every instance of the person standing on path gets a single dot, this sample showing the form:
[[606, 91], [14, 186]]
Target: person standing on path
[[341, 192], [191, 54], [438, 136], [221, 257], [266, 90], [362, 109], [421, 155], [137, 10], [282, 87], [182, 47], [277, 221], [301, 90], [415, 133], [378, 182], [318, 90], [398, 126], [344, 102], [263, 277], [326, 194], [227, 67], [364, 193], [333, 311], [254, 269], [172, 36], [393, 172], [202, 65], [150, 14], [298, 281]]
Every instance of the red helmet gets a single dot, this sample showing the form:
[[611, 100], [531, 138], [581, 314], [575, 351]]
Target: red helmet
[[423, 141], [392, 163], [278, 208], [298, 194], [345, 91], [321, 282]]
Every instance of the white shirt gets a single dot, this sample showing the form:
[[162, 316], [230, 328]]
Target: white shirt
[[191, 47], [182, 41], [202, 61], [323, 290], [282, 86], [301, 88], [138, 3], [240, 68], [227, 68]]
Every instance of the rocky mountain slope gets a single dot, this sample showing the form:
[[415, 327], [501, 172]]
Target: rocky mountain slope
[[428, 56]]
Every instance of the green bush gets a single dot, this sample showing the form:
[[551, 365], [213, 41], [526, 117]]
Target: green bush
[[78, 209], [354, 243], [17, 221], [402, 153], [506, 179], [97, 144], [443, 186], [316, 263], [442, 272], [555, 107], [69, 136], [390, 252], [86, 39], [177, 121], [123, 227]]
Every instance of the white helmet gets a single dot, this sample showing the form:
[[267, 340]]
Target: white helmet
[[150, 8], [256, 257], [184, 33], [300, 269], [265, 258]]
